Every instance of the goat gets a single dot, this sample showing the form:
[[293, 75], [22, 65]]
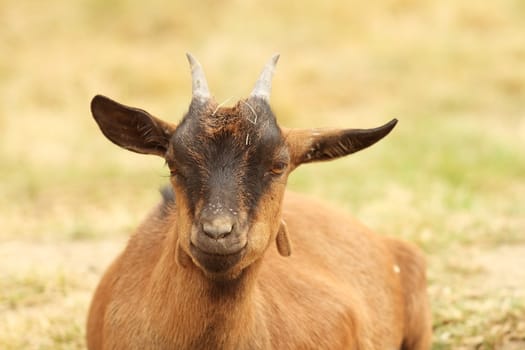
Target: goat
[[200, 272]]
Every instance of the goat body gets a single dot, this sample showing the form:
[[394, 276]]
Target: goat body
[[344, 287]]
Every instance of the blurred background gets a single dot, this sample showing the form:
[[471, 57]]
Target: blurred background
[[450, 178]]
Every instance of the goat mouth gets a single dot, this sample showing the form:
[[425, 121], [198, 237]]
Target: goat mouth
[[216, 262], [230, 245]]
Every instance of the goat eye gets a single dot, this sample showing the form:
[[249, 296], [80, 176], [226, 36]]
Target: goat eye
[[278, 168]]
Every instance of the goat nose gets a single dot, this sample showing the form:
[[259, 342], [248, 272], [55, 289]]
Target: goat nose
[[218, 227]]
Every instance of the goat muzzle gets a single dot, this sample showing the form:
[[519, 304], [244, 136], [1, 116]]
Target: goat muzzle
[[216, 245]]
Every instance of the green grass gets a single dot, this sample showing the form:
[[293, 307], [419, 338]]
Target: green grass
[[451, 177]]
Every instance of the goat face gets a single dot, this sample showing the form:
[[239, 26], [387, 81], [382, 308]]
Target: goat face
[[228, 169]]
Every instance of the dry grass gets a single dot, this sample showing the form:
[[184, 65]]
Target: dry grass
[[450, 178]]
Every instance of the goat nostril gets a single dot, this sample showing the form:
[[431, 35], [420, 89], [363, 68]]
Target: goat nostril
[[217, 230]]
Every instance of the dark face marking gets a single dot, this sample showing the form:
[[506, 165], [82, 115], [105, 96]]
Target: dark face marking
[[222, 157]]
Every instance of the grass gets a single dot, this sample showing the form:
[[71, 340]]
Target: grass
[[449, 178]]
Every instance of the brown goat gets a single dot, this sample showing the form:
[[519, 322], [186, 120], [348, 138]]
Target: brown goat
[[201, 271]]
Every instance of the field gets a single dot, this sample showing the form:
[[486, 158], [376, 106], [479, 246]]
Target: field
[[451, 176]]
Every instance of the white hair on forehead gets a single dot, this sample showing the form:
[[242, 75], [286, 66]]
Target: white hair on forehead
[[220, 105], [254, 121]]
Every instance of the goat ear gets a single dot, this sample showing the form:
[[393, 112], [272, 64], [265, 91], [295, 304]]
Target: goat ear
[[283, 241], [131, 128], [314, 145]]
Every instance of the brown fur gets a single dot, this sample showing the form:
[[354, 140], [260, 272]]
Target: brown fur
[[338, 290]]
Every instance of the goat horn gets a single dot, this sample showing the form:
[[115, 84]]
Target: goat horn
[[199, 86], [263, 86]]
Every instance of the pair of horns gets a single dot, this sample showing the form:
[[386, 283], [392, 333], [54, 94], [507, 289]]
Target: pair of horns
[[201, 92]]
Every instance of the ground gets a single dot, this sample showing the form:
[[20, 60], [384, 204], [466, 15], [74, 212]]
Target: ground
[[449, 178]]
